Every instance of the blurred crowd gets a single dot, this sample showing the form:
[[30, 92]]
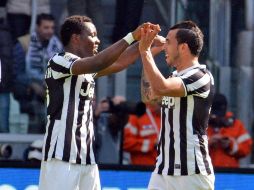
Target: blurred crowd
[[126, 132]]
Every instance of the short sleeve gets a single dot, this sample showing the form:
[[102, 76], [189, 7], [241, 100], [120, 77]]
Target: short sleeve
[[197, 82], [61, 64]]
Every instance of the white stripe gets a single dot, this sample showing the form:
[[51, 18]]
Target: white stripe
[[60, 60], [235, 146], [203, 94], [208, 158], [190, 69], [199, 156], [133, 129], [74, 150], [166, 146], [91, 136], [145, 145], [83, 134], [45, 138], [146, 132], [159, 157], [58, 75], [176, 125], [53, 140], [190, 73], [199, 83], [243, 138], [190, 140]]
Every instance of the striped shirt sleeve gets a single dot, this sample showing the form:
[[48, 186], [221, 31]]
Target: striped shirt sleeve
[[197, 83], [61, 64]]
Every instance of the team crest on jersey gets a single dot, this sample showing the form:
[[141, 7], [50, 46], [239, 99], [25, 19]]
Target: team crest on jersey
[[168, 102]]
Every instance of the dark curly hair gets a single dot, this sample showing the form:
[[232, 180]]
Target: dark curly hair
[[73, 25], [188, 32]]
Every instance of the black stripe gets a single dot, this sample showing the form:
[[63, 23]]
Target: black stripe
[[69, 121], [48, 139], [56, 97], [54, 152], [58, 68], [204, 154], [200, 115], [183, 135], [193, 78], [197, 171], [88, 139], [162, 142], [78, 133], [200, 90], [171, 144]]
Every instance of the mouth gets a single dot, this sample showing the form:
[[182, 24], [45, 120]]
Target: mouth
[[95, 50]]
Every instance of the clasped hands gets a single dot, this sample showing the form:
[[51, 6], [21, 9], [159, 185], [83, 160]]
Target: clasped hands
[[147, 34]]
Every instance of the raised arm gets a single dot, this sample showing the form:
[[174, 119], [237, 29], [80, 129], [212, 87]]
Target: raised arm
[[108, 56], [130, 55], [147, 94], [159, 85], [102, 60]]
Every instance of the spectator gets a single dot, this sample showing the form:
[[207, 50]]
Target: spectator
[[31, 54], [141, 136], [19, 15], [109, 125], [229, 141], [6, 73]]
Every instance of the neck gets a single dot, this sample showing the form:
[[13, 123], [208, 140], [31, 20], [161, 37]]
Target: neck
[[186, 63], [73, 50]]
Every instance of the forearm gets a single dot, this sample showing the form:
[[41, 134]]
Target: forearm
[[153, 74], [147, 94], [100, 61], [128, 57]]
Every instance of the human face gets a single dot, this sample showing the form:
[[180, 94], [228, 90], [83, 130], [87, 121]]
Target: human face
[[46, 30], [171, 48], [89, 42]]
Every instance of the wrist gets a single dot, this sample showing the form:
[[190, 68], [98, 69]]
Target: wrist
[[145, 51], [129, 38]]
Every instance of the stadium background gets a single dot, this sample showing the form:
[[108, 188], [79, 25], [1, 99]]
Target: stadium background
[[228, 26]]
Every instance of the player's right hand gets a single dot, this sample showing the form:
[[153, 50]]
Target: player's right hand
[[137, 32]]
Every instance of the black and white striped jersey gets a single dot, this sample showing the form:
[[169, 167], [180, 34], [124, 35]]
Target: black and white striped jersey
[[183, 145], [69, 132]]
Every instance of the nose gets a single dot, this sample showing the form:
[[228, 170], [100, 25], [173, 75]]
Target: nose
[[97, 41]]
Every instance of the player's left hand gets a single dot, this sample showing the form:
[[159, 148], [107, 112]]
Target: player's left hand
[[148, 35]]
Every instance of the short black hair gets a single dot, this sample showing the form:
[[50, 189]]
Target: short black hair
[[73, 25], [44, 16], [188, 32]]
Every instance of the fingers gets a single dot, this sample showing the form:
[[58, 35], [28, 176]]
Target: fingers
[[147, 27]]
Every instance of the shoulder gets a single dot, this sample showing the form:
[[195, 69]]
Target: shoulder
[[63, 59]]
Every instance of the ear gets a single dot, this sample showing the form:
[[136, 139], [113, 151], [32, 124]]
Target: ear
[[75, 38], [184, 47]]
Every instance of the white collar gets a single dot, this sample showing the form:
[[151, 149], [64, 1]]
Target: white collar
[[175, 73]]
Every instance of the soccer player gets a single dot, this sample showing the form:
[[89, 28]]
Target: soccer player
[[68, 157], [186, 96]]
